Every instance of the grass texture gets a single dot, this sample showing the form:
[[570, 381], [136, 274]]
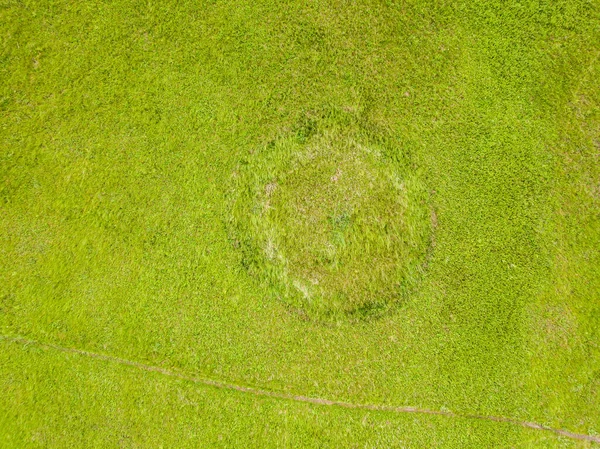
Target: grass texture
[[328, 220], [175, 176]]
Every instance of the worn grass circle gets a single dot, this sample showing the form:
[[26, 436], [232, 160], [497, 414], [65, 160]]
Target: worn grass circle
[[331, 222]]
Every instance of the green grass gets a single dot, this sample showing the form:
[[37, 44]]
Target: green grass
[[121, 125], [331, 221]]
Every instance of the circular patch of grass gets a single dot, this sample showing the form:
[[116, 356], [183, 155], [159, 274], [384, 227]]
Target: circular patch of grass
[[335, 221]]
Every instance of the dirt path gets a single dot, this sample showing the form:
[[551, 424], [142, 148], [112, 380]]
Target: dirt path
[[292, 397]]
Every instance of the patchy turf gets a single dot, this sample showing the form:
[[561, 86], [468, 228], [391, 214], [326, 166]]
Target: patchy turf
[[339, 225], [121, 125]]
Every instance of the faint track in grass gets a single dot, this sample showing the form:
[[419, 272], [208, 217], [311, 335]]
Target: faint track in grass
[[292, 397]]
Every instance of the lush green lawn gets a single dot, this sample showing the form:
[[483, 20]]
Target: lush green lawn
[[124, 127]]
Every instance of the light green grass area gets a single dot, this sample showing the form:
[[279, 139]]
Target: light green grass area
[[174, 177]]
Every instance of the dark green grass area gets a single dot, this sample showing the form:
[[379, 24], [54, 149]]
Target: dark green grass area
[[121, 124]]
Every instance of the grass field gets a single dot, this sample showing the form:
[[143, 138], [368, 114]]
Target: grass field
[[388, 204]]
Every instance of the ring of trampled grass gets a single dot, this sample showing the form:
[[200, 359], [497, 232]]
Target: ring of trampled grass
[[331, 223]]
